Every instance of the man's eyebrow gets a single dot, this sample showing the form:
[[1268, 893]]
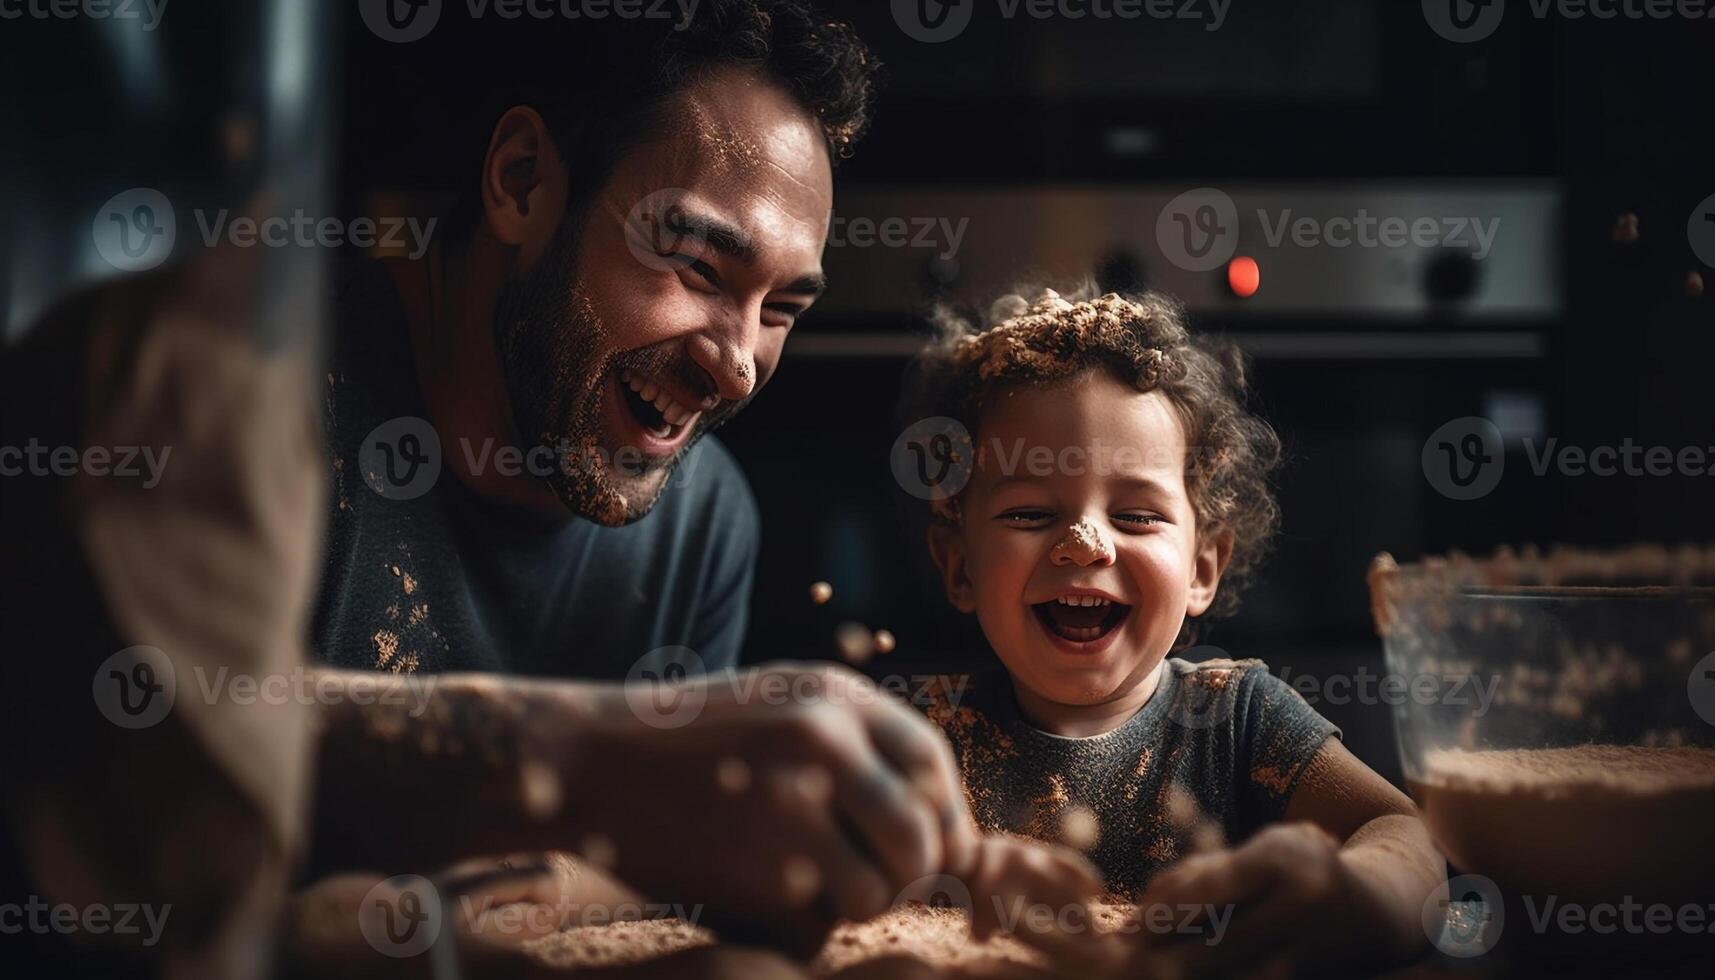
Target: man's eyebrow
[[718, 234], [812, 285], [727, 239]]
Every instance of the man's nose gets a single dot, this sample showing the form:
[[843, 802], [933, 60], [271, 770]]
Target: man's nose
[[727, 353], [1084, 544]]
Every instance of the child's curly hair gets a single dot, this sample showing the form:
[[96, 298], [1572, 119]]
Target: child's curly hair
[[1143, 341]]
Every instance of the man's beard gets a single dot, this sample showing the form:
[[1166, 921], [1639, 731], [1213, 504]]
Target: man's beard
[[554, 354]]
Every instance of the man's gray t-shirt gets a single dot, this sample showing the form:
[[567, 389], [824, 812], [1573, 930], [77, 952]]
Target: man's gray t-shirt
[[446, 580], [1230, 736]]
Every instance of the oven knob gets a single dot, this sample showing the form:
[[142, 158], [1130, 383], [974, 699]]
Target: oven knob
[[1451, 276]]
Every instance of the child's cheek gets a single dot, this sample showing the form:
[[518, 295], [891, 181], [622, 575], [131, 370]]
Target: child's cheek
[[1163, 570], [998, 557]]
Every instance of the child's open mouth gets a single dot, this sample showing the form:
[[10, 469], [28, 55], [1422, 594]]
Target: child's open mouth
[[1081, 618]]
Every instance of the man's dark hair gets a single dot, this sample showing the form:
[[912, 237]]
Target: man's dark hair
[[602, 86], [820, 61]]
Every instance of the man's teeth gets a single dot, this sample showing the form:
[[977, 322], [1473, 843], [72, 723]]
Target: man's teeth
[[672, 411], [1082, 600]]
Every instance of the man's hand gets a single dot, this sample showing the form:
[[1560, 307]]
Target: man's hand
[[1040, 894], [767, 816], [778, 814]]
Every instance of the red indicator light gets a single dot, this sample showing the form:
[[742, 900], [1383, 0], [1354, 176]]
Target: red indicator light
[[1243, 276]]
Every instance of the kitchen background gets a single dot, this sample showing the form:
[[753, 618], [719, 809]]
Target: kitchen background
[[1058, 142], [1051, 146]]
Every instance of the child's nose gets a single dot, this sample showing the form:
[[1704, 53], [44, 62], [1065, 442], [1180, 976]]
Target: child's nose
[[1084, 544]]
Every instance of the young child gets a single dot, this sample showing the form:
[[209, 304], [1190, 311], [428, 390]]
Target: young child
[[1119, 493]]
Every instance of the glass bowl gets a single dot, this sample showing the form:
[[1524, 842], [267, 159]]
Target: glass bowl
[[1557, 716]]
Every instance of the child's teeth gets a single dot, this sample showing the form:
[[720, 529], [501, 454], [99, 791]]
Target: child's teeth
[[1082, 600]]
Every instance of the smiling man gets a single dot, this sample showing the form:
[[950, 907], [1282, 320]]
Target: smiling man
[[645, 228]]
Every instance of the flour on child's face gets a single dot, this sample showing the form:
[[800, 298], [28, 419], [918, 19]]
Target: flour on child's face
[[1079, 490]]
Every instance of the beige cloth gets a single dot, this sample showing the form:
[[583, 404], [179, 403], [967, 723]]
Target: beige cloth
[[214, 566]]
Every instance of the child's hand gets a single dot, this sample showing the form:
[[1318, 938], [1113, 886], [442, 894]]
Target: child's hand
[[1341, 882], [1279, 905]]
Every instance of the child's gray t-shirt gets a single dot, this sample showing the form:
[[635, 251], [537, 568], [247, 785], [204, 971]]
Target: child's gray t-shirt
[[1230, 735]]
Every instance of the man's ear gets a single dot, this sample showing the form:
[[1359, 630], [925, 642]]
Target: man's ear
[[947, 547], [523, 182], [1213, 553]]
